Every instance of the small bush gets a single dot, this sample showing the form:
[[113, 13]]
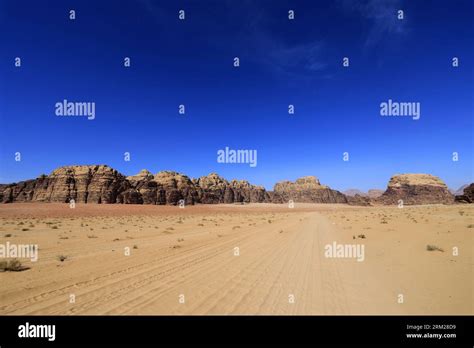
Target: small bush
[[12, 266], [433, 248], [62, 258]]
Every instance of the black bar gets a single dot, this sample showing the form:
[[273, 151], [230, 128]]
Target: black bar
[[224, 330]]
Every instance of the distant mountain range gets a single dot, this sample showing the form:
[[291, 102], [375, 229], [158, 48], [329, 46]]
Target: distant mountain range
[[103, 184], [372, 193], [459, 191]]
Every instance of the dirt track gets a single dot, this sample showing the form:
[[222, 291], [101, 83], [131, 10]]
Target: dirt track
[[281, 257]]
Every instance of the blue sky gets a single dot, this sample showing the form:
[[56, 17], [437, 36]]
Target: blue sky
[[282, 62]]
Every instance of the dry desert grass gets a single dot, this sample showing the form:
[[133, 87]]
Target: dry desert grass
[[191, 252]]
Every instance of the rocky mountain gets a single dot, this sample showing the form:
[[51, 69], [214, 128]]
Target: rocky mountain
[[307, 190], [103, 184], [353, 192], [467, 196], [375, 193], [459, 191], [215, 189], [416, 189], [84, 184]]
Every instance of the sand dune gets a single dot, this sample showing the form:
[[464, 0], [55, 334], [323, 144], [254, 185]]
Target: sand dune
[[183, 261]]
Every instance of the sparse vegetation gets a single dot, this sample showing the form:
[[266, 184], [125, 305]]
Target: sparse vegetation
[[434, 248], [12, 266]]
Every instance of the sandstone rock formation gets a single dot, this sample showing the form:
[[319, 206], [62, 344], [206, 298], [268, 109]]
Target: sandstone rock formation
[[359, 200], [307, 190], [353, 192], [416, 189], [215, 189], [467, 196], [102, 184], [83, 184], [173, 187], [375, 193]]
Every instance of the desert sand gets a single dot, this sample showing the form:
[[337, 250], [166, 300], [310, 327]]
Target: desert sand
[[185, 261]]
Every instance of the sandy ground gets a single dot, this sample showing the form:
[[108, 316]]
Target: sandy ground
[[185, 261]]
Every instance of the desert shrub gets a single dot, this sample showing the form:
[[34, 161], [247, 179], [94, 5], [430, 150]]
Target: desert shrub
[[433, 248], [11, 266]]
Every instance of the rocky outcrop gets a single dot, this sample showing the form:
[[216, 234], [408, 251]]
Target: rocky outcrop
[[354, 192], [166, 187], [375, 193], [2, 189], [103, 184], [467, 196], [416, 189], [83, 184], [214, 189], [307, 190], [359, 200]]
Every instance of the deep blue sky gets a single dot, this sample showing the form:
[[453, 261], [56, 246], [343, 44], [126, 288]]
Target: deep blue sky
[[282, 62]]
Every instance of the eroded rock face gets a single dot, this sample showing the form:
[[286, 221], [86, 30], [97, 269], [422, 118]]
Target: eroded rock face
[[143, 190], [215, 189], [354, 192], [416, 189], [467, 196], [374, 193], [307, 190], [359, 200], [19, 192], [83, 184], [173, 187], [102, 184]]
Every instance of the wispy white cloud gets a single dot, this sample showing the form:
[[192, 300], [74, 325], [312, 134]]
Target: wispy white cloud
[[383, 17]]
